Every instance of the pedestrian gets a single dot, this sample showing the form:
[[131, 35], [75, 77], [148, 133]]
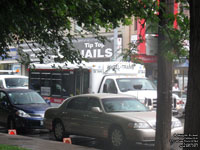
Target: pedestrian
[[175, 87]]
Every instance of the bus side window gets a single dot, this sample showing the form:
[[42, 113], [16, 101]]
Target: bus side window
[[35, 82], [68, 88], [56, 83], [86, 78]]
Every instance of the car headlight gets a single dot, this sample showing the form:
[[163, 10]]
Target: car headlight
[[176, 124], [21, 113], [139, 125]]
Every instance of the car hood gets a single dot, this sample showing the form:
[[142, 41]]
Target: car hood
[[142, 94], [148, 116], [33, 108]]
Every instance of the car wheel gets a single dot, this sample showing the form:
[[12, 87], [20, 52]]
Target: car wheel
[[59, 130], [11, 124], [117, 139]]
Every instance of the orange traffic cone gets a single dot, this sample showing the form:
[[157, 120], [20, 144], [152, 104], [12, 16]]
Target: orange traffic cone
[[12, 132], [67, 140]]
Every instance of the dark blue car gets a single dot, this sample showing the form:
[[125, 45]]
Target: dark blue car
[[22, 109]]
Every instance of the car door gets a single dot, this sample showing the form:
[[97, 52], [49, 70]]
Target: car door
[[96, 123], [75, 111], [5, 108]]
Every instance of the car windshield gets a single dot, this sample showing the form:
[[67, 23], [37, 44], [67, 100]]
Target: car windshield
[[16, 82], [30, 97], [129, 84], [123, 105]]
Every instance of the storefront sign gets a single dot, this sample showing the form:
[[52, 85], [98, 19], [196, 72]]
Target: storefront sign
[[90, 48], [94, 50]]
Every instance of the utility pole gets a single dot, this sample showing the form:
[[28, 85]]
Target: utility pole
[[164, 102]]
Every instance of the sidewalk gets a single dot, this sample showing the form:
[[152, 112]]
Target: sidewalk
[[38, 144]]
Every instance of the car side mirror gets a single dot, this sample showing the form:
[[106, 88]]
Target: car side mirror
[[4, 103], [96, 109], [48, 101]]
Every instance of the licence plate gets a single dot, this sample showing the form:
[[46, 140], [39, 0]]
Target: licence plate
[[41, 123]]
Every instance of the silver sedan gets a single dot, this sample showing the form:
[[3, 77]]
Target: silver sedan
[[117, 118]]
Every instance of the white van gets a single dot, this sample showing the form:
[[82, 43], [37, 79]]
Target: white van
[[13, 81]]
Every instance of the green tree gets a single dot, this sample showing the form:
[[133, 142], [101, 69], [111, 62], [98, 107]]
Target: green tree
[[49, 23]]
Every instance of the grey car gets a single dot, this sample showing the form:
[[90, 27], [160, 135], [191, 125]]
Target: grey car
[[114, 117]]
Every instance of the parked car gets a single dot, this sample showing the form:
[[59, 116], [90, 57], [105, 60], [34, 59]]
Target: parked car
[[13, 81], [116, 117], [21, 109]]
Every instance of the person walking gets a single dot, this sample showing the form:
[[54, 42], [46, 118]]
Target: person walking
[[175, 87]]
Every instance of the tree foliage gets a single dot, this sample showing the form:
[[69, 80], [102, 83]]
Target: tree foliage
[[50, 23]]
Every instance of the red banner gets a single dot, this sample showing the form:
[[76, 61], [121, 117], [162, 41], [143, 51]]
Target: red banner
[[146, 58]]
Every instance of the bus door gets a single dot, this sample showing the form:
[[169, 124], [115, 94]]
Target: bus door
[[81, 81]]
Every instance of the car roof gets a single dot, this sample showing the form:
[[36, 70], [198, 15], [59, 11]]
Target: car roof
[[105, 95], [16, 90]]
